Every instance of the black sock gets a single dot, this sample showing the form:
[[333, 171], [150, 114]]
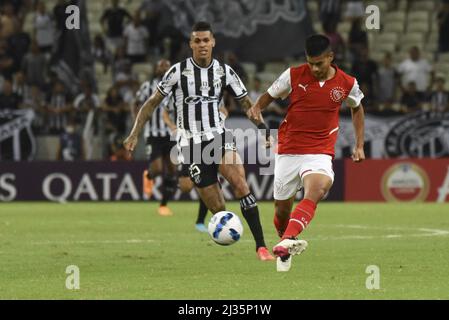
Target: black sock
[[202, 212], [250, 211], [168, 190]]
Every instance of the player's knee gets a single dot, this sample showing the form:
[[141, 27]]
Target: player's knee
[[185, 184], [281, 210], [241, 189], [217, 207], [317, 193]]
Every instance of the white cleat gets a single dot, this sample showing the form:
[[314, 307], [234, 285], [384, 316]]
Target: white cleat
[[284, 251], [283, 264], [289, 246]]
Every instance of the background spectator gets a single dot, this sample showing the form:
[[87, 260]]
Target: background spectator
[[101, 53], [18, 45], [440, 97], [416, 69], [443, 23], [136, 36], [8, 20], [71, 145], [36, 102], [6, 61], [59, 108], [411, 99], [44, 28], [9, 100], [366, 72], [152, 10], [34, 66], [330, 12], [357, 40], [115, 19], [116, 111], [337, 42], [386, 80], [355, 10]]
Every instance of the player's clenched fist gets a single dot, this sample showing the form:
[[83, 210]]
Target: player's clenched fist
[[130, 143], [358, 155], [254, 114]]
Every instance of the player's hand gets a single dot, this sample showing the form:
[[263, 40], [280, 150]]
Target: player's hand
[[269, 142], [254, 114], [358, 155], [130, 143]]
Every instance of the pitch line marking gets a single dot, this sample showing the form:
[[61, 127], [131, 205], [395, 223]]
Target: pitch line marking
[[131, 241]]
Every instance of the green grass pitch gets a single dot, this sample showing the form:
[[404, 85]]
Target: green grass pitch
[[126, 251]]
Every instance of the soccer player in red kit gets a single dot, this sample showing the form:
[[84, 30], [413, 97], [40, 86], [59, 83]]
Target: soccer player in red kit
[[306, 139]]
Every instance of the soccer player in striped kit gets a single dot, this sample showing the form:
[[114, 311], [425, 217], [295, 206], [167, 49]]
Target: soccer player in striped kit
[[197, 85], [306, 139], [158, 142]]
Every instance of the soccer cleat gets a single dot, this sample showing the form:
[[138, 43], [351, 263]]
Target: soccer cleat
[[283, 264], [147, 184], [289, 247], [200, 227], [264, 255], [165, 211]]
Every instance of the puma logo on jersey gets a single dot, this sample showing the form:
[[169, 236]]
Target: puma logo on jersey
[[304, 87]]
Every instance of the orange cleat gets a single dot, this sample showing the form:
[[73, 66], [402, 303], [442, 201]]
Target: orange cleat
[[165, 211], [147, 184], [264, 255]]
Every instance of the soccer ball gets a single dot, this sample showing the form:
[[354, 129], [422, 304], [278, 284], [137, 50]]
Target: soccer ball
[[225, 228]]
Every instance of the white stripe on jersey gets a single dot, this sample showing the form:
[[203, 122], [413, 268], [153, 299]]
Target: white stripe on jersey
[[204, 90]]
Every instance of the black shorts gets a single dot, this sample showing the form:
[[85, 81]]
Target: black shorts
[[183, 170], [202, 159], [158, 147]]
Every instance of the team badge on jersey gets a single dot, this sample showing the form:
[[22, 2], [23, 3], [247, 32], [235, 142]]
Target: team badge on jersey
[[220, 72], [337, 94]]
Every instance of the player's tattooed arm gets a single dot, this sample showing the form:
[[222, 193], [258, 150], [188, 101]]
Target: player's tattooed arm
[[358, 121], [143, 115]]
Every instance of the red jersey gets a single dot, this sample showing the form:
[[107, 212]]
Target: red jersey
[[311, 123]]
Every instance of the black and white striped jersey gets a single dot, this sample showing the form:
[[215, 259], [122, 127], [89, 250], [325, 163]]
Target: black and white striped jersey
[[197, 93], [156, 127]]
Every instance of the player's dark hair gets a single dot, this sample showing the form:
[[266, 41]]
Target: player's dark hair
[[317, 44], [202, 26]]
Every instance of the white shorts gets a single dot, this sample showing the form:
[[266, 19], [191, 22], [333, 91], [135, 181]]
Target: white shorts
[[289, 170]]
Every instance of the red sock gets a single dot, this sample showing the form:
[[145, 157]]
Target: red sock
[[300, 218], [280, 224]]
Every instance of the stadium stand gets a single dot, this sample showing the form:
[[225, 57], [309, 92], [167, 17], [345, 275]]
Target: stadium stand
[[404, 24]]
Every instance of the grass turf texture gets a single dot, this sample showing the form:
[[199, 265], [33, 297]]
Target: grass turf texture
[[127, 251]]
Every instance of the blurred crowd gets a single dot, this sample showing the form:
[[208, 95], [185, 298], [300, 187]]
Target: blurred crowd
[[28, 78]]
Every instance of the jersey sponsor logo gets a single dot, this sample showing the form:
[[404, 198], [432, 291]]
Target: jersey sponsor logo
[[200, 99], [337, 94], [220, 72]]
